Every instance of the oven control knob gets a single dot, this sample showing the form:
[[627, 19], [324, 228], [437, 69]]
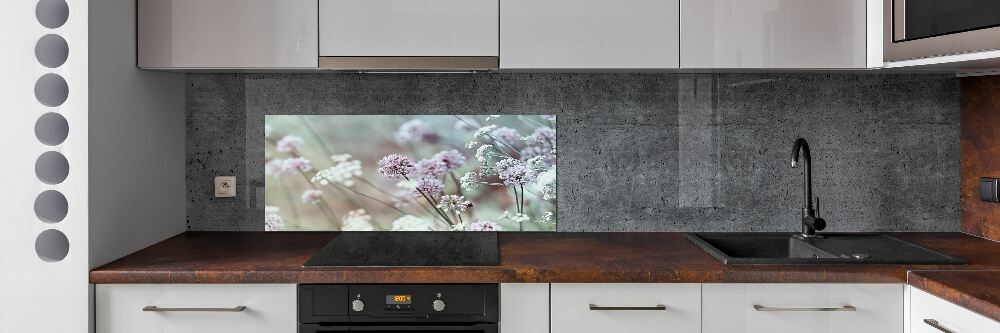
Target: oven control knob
[[438, 305], [358, 305]]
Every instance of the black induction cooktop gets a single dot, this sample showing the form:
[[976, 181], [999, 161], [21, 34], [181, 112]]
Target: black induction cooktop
[[408, 248]]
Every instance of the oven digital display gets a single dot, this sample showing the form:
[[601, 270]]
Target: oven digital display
[[398, 299]]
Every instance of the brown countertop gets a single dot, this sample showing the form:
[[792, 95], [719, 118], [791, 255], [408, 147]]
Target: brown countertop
[[277, 257], [978, 291]]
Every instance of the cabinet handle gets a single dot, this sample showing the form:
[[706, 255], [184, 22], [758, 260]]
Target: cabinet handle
[[934, 323], [595, 307], [768, 308], [159, 309]]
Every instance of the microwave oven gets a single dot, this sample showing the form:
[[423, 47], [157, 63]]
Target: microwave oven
[[915, 29]]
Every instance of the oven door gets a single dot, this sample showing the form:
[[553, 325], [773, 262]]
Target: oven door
[[471, 328], [916, 29]]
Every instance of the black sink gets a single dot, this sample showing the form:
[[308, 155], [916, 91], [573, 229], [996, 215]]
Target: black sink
[[834, 248]]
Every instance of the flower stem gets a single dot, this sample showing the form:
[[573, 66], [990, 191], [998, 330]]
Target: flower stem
[[458, 185], [522, 199], [325, 207]]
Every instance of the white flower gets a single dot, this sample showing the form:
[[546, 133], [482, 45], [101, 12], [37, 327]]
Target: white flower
[[516, 218], [340, 158], [470, 181], [311, 196], [343, 173], [411, 223], [483, 153], [483, 226], [547, 182], [295, 164], [357, 220], [272, 221], [459, 226], [268, 129], [483, 131], [546, 218], [289, 144], [454, 203], [407, 184]]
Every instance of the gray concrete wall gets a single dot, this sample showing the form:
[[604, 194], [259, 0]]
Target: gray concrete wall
[[638, 152]]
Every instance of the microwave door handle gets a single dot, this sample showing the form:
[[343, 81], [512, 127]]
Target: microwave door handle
[[898, 17]]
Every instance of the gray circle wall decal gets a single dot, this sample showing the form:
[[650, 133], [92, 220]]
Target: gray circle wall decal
[[52, 168], [52, 13], [51, 51], [51, 128], [52, 245], [51, 206], [51, 90]]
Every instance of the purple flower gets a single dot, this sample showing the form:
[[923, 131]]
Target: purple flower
[[395, 166], [432, 187], [506, 135], [289, 144], [296, 164], [430, 168], [513, 172], [543, 137], [416, 131], [452, 158], [311, 196], [273, 167], [541, 143], [483, 226]]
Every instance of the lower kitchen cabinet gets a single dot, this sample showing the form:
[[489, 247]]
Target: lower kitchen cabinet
[[627, 307], [186, 308], [930, 314], [524, 307], [803, 308]]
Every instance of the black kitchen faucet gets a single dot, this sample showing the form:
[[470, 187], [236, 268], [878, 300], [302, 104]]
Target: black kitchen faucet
[[810, 221]]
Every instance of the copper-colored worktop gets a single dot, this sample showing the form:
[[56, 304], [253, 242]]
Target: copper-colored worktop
[[978, 291], [277, 257]]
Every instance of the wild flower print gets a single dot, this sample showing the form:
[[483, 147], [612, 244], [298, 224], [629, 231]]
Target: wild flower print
[[410, 173]]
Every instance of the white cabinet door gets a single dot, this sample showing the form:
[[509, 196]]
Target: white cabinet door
[[589, 34], [270, 308], [524, 307], [426, 28], [773, 34], [627, 307], [227, 34], [802, 308], [927, 310]]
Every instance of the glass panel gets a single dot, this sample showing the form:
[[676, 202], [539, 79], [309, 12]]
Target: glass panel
[[410, 172], [929, 18]]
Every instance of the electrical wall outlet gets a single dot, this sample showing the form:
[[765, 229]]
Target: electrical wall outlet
[[225, 186]]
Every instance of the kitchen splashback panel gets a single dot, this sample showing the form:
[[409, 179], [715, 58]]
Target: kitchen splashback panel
[[638, 152], [410, 173]]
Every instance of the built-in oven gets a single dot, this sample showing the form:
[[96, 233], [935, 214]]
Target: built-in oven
[[377, 308], [916, 29]]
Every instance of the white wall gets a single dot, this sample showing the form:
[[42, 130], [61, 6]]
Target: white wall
[[136, 141], [125, 150], [34, 292]]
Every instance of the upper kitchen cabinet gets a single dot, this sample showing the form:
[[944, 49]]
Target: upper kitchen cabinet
[[800, 34], [409, 34], [219, 34], [589, 34]]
